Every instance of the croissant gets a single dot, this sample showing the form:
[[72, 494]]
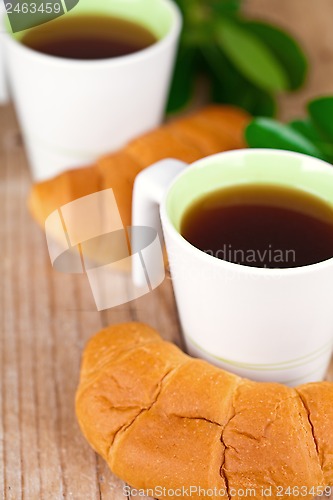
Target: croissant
[[169, 424], [209, 131]]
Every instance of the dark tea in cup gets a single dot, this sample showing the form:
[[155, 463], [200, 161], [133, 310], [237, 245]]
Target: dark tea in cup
[[261, 226], [87, 37]]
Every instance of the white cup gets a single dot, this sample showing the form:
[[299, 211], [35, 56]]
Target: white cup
[[72, 111], [264, 324]]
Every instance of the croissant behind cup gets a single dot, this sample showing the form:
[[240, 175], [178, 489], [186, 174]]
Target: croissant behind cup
[[221, 128]]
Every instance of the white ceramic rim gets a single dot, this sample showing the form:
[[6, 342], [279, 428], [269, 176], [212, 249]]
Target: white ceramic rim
[[230, 266], [114, 62]]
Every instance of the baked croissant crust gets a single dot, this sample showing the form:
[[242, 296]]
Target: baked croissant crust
[[210, 130], [163, 419]]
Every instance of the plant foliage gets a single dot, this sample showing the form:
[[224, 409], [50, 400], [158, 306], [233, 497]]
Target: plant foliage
[[247, 62], [312, 135]]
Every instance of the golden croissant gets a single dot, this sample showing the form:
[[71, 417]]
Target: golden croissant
[[211, 130], [166, 422]]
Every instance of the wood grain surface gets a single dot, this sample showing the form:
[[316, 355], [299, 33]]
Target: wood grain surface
[[46, 317]]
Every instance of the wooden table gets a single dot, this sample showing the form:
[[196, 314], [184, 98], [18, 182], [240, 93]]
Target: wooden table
[[46, 318]]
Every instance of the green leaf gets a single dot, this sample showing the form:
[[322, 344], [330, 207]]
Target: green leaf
[[225, 7], [309, 130], [251, 56], [229, 86], [197, 37], [261, 103], [285, 49], [267, 133], [183, 82], [181, 4], [255, 101], [321, 112]]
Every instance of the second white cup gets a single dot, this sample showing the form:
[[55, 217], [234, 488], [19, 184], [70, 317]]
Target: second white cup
[[71, 111], [264, 324]]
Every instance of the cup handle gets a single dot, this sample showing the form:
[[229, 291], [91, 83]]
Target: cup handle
[[149, 188]]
